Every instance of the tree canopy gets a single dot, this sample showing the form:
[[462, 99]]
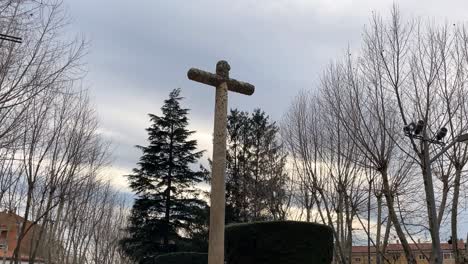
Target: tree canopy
[[168, 212]]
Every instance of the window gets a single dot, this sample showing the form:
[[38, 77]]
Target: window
[[448, 255], [357, 259], [3, 244], [422, 257], [395, 256]]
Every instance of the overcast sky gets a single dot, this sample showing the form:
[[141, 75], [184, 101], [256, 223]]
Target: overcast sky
[[141, 49]]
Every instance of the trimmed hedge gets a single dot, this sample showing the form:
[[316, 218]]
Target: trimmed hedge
[[182, 258], [282, 242]]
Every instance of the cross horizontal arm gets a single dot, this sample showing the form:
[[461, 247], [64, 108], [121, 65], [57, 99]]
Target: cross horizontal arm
[[216, 80]]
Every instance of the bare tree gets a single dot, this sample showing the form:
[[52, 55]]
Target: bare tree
[[454, 92], [406, 71], [356, 95], [321, 155], [422, 67], [51, 152], [43, 62]]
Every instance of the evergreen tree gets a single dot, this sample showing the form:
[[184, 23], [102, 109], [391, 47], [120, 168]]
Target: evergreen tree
[[256, 176], [167, 212], [268, 164], [238, 174]]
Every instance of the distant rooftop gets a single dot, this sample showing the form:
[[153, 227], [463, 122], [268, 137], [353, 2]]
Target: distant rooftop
[[420, 246]]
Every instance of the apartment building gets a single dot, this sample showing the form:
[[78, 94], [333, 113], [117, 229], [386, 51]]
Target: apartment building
[[395, 254], [10, 225]]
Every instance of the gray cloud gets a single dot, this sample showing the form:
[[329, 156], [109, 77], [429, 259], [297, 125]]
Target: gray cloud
[[141, 50]]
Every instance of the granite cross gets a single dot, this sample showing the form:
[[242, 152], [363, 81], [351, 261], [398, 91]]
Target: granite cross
[[223, 83]]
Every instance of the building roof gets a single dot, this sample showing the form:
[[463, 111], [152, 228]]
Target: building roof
[[415, 247]]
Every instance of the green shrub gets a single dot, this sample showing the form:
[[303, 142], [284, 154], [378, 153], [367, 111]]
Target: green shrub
[[182, 258], [284, 242]]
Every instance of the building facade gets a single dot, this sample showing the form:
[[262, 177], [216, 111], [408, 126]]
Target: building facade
[[395, 255], [10, 226]]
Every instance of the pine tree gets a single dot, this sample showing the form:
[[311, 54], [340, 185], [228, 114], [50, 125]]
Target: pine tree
[[268, 164], [256, 174], [238, 173], [167, 204]]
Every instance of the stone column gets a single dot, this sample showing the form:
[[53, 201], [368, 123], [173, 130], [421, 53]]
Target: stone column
[[216, 246]]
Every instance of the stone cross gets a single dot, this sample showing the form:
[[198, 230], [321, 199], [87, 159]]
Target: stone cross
[[223, 83]]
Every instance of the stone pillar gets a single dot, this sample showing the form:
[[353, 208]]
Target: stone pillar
[[216, 235]]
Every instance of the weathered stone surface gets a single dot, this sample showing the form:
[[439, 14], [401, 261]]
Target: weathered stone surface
[[223, 83], [217, 197], [216, 80], [223, 68]]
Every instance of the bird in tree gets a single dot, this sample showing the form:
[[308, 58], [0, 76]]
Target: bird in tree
[[168, 206]]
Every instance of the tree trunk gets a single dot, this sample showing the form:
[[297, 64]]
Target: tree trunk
[[168, 194], [17, 251], [456, 193], [394, 219], [436, 254], [368, 225], [379, 230]]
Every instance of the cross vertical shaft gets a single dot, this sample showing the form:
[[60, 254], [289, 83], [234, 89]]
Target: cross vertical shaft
[[223, 83], [217, 210]]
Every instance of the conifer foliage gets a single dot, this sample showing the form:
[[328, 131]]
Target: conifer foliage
[[168, 207], [256, 176]]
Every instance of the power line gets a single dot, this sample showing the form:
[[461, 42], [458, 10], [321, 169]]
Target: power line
[[10, 38]]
